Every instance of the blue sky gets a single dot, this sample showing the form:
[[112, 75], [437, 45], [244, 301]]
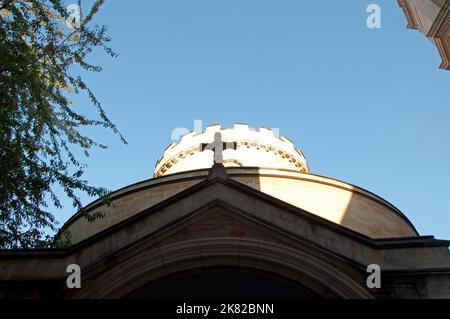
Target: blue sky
[[369, 107]]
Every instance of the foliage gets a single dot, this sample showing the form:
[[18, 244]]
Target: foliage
[[40, 126]]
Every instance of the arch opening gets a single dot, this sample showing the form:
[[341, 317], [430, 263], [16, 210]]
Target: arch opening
[[222, 283]]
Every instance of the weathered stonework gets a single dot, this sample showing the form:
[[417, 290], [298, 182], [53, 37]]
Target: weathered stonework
[[432, 19]]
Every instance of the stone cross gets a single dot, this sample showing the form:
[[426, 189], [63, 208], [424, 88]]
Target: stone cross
[[218, 146]]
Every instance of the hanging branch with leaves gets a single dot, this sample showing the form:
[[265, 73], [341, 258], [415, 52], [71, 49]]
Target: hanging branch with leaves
[[40, 127]]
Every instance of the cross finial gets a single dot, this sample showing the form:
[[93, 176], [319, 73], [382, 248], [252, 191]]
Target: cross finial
[[218, 146]]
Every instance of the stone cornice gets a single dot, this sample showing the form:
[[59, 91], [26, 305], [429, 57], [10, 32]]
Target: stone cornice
[[412, 24], [441, 24], [439, 31]]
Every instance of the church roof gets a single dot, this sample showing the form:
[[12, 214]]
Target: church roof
[[336, 201]]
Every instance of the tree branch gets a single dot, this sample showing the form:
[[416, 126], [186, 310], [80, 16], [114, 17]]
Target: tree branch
[[6, 5]]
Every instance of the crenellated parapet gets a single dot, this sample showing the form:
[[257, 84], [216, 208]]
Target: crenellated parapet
[[254, 148]]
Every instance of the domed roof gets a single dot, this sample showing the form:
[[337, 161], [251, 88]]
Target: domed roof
[[258, 159], [253, 148]]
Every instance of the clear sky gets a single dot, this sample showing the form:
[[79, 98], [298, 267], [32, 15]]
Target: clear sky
[[369, 107]]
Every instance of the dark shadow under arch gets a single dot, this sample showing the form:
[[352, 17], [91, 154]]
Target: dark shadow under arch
[[223, 283]]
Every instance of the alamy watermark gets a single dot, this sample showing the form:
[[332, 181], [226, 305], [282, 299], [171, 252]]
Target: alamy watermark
[[374, 279], [374, 19], [177, 133], [73, 20], [73, 281]]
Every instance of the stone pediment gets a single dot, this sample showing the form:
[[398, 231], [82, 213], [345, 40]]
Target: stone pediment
[[221, 237], [218, 221]]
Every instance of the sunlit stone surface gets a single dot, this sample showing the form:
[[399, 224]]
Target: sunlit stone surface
[[432, 18]]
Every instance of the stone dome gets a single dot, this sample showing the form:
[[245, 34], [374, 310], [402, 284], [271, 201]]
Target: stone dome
[[259, 160], [254, 148]]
